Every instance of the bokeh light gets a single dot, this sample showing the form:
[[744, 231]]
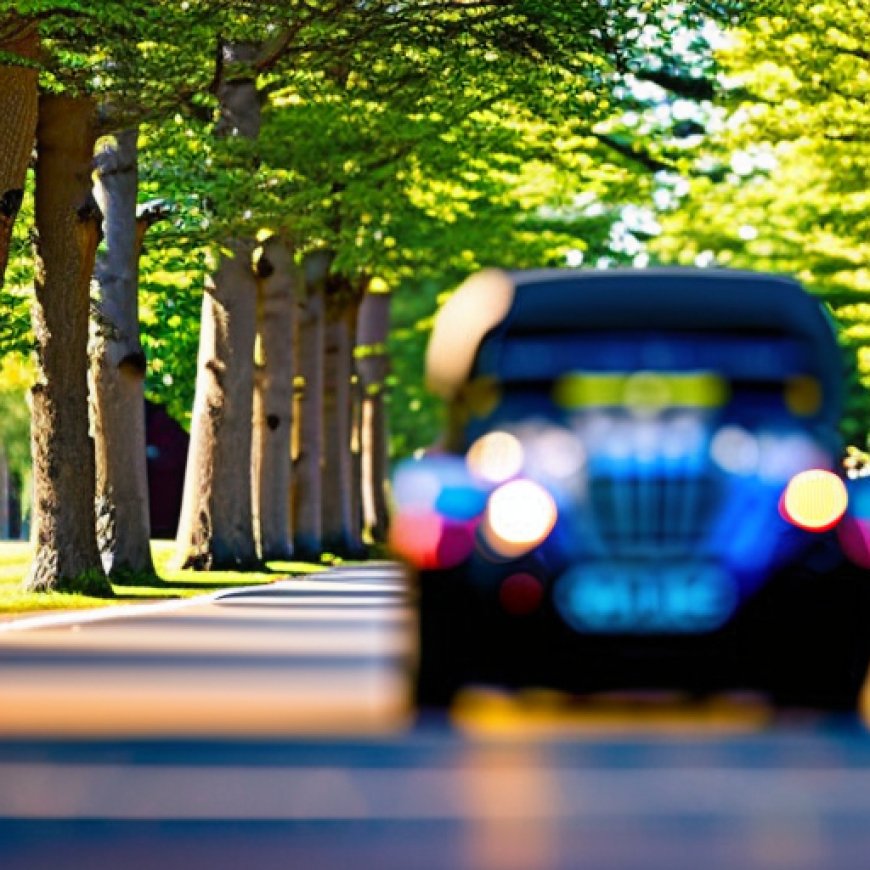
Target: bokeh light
[[782, 455], [520, 514], [429, 541], [814, 500], [641, 392], [646, 393], [735, 450], [554, 452], [521, 594], [416, 485], [495, 457], [803, 395], [415, 535]]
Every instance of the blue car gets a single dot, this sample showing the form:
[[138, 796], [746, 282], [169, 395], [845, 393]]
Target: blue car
[[639, 486]]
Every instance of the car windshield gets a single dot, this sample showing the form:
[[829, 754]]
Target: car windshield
[[744, 357]]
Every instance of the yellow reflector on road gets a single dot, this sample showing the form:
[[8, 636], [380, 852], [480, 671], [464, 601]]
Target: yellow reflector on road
[[815, 500]]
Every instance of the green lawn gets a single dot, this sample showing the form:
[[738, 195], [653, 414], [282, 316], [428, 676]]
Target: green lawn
[[15, 557]]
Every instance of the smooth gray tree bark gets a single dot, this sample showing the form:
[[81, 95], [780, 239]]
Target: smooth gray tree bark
[[118, 371], [216, 524], [340, 526], [308, 460], [278, 287]]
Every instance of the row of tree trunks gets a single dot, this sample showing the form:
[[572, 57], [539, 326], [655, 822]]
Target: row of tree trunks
[[118, 371], [67, 235], [305, 405], [236, 498], [243, 500], [278, 288], [18, 113]]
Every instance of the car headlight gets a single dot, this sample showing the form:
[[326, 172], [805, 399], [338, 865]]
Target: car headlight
[[814, 500], [519, 516]]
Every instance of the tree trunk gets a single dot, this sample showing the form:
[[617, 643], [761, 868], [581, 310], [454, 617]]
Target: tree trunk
[[216, 527], [340, 527], [118, 373], [273, 398], [307, 492], [5, 495], [67, 234], [18, 109], [356, 510], [16, 530], [372, 365]]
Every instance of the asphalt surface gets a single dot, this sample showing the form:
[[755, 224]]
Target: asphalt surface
[[271, 728]]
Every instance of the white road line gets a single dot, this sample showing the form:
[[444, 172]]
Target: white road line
[[121, 611], [338, 600]]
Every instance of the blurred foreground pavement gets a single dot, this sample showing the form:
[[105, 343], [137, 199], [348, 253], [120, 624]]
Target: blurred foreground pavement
[[270, 728]]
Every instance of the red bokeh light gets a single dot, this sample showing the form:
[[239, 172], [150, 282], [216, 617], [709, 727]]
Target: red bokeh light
[[521, 594]]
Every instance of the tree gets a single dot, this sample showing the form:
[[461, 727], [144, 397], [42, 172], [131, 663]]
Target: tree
[[216, 527], [372, 365], [781, 182], [67, 227], [118, 368], [278, 291], [307, 496], [78, 64], [412, 142]]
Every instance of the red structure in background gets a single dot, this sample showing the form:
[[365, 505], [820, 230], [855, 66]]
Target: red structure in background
[[166, 452]]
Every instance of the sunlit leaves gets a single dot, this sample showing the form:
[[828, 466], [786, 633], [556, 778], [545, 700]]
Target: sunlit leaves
[[794, 167]]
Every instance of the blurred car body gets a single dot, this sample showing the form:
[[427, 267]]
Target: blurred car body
[[639, 487]]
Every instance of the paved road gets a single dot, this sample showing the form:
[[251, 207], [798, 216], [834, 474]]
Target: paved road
[[308, 655], [269, 728]]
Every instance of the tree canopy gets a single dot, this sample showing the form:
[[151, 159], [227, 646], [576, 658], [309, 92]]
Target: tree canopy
[[422, 140], [781, 180]]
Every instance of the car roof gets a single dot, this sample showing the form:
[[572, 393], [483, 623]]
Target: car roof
[[550, 301], [664, 298]]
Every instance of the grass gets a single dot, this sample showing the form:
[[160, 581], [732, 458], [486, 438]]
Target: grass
[[169, 584]]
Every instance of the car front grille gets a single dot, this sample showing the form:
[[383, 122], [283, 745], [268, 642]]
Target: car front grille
[[650, 487], [639, 515]]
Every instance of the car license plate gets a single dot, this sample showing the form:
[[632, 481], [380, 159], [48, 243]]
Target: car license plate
[[641, 598]]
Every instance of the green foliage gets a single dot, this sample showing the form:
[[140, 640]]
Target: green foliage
[[420, 141], [15, 291], [15, 378], [15, 429], [781, 183]]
